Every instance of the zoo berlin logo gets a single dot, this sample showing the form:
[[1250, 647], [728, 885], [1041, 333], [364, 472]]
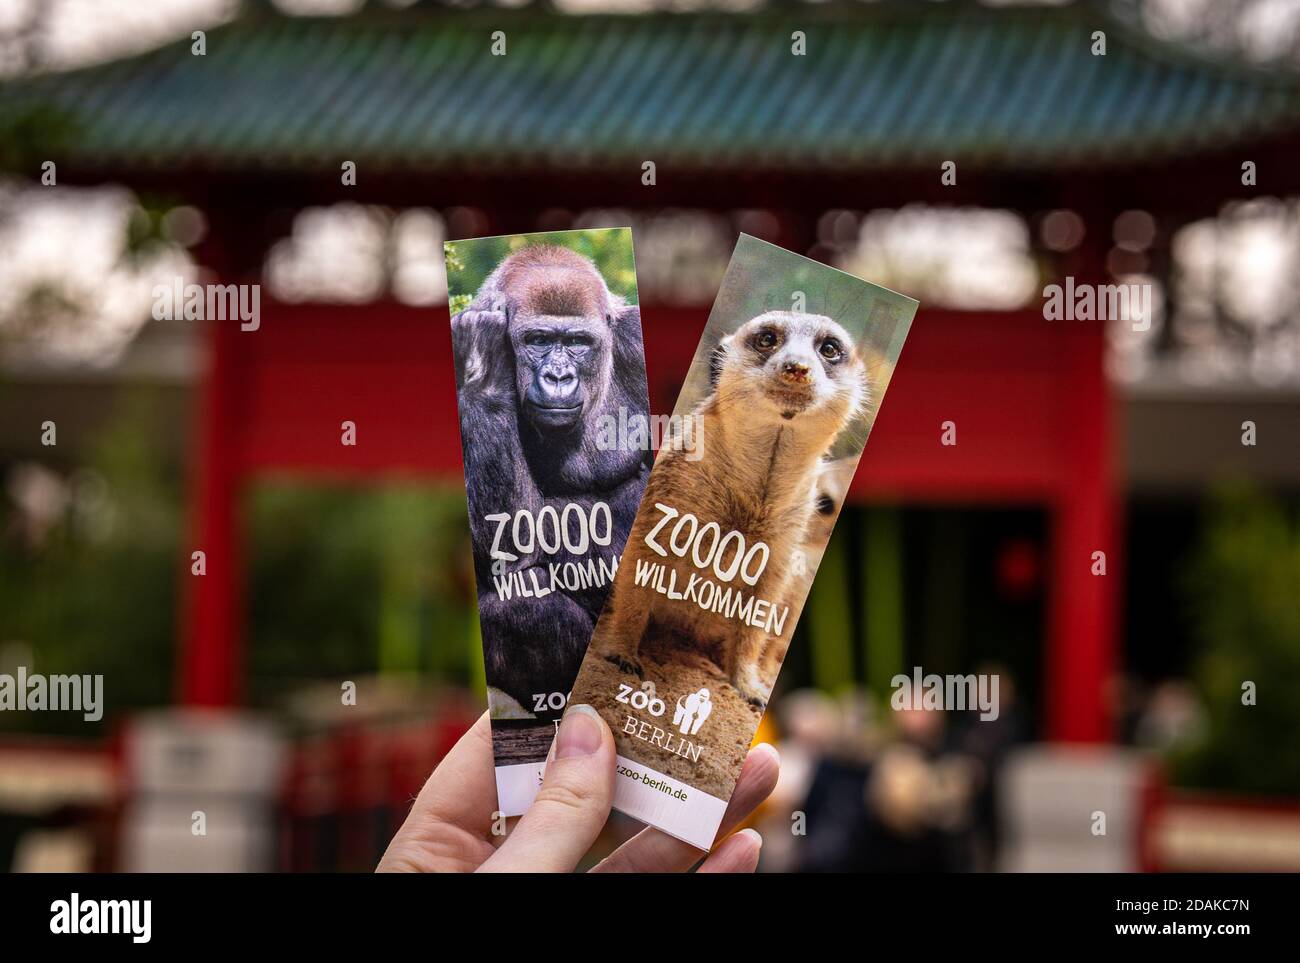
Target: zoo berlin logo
[[691, 712], [73, 916], [179, 301], [56, 693], [689, 715]]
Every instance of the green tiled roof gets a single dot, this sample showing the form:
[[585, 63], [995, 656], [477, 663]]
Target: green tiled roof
[[881, 86]]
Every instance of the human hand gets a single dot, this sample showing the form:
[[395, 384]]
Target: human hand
[[449, 829]]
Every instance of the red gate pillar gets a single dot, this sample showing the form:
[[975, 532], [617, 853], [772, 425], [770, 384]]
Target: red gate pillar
[[1082, 622], [209, 657]]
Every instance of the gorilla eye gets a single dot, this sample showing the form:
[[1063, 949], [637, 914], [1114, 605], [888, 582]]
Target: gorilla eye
[[830, 350], [765, 340], [537, 339], [577, 341]]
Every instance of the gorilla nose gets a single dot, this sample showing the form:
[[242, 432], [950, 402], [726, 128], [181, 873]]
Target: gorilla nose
[[559, 387], [794, 371]]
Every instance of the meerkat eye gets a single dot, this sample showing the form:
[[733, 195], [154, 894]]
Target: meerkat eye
[[830, 350], [765, 340]]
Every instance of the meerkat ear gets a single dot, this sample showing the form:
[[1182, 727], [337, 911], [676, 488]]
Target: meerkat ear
[[716, 360]]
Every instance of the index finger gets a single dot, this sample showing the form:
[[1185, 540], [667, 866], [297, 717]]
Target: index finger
[[463, 788], [461, 792]]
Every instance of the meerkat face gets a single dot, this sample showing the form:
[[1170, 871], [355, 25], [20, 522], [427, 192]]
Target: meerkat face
[[792, 366]]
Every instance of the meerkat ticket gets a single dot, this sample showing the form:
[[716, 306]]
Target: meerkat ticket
[[774, 415], [551, 391]]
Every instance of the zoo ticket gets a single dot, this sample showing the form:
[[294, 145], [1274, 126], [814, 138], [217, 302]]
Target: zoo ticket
[[768, 430], [551, 391]]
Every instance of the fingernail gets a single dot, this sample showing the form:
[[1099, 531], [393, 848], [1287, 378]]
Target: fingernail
[[754, 834], [580, 733]]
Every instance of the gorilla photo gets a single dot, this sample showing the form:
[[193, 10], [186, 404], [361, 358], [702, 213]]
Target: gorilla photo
[[545, 355]]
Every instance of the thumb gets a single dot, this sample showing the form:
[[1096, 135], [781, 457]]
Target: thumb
[[572, 805]]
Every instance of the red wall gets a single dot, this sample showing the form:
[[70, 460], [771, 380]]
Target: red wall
[[1028, 398]]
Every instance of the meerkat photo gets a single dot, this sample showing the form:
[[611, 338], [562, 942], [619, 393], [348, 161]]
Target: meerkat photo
[[781, 396], [784, 386]]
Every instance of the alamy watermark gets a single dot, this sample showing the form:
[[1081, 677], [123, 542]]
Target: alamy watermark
[[32, 692], [128, 917], [179, 301], [1099, 302], [950, 693], [637, 432]]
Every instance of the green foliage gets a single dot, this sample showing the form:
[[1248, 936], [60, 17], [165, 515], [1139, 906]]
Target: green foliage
[[96, 592], [1245, 592], [341, 581], [29, 136], [470, 262], [350, 581], [763, 277]]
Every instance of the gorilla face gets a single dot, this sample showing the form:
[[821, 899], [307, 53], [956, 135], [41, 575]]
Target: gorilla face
[[562, 367]]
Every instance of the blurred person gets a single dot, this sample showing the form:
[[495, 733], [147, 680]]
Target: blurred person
[[810, 724], [919, 799], [1172, 718], [832, 804], [859, 731], [450, 827], [902, 836], [1126, 701], [834, 815], [986, 744], [901, 809]]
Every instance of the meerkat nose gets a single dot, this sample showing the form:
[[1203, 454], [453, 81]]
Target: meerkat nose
[[794, 371]]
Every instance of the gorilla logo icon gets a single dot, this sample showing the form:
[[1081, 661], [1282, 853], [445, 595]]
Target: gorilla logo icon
[[691, 712]]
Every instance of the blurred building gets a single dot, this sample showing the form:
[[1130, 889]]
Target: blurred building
[[790, 123]]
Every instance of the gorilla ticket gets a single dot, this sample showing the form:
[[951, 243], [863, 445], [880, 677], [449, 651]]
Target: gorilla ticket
[[551, 388], [767, 432]]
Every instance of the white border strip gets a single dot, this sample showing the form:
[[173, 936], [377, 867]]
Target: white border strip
[[517, 786], [678, 809]]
